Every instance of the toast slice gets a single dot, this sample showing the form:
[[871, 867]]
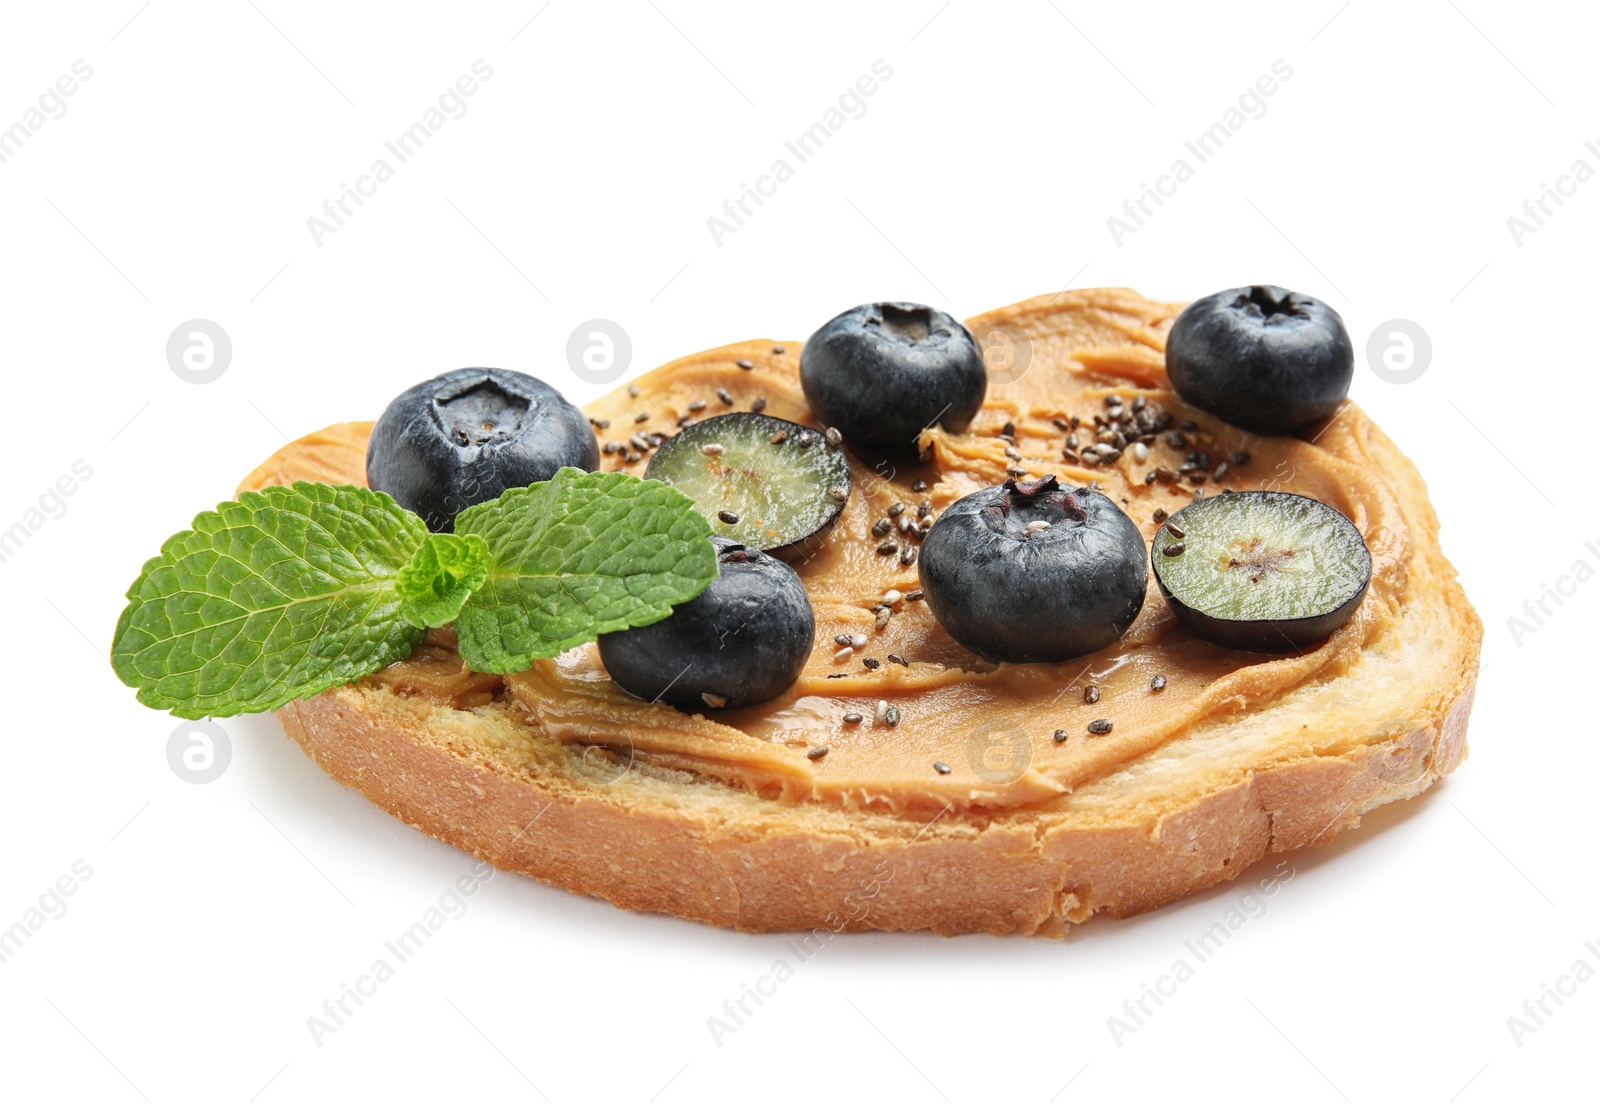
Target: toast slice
[[480, 773]]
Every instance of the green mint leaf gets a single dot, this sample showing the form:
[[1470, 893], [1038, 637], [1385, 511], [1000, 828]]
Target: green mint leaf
[[275, 597], [583, 554], [444, 571]]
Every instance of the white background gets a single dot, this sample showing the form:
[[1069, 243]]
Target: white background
[[578, 183]]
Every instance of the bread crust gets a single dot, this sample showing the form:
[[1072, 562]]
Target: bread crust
[[652, 839]]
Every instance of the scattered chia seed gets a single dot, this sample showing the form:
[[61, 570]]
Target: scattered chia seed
[[1172, 527], [908, 555], [852, 718], [816, 753], [745, 364], [834, 437], [1174, 549], [1222, 470], [1158, 684], [891, 717], [1159, 516], [942, 768], [759, 404], [919, 486], [897, 509], [725, 395], [779, 437], [843, 640], [778, 350], [600, 423], [633, 390], [1100, 727], [882, 621], [711, 450], [698, 405], [610, 447], [715, 701], [870, 664], [641, 417], [687, 419], [900, 659], [630, 457], [888, 548], [838, 494], [1239, 459], [914, 595], [1091, 694], [1061, 424], [924, 508], [840, 674], [881, 527], [806, 440], [1061, 735], [727, 517], [1009, 429]]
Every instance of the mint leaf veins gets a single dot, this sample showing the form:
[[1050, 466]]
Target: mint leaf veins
[[278, 596]]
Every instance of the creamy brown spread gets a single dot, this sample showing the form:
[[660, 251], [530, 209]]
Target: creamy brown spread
[[992, 731]]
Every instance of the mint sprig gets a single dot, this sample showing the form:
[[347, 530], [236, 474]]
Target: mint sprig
[[290, 591], [584, 554], [440, 577]]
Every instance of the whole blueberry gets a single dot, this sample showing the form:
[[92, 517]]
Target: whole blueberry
[[742, 640], [1261, 358], [1034, 572], [881, 373], [466, 436]]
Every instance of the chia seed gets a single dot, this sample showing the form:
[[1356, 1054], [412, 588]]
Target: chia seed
[[745, 364], [1176, 548], [919, 486], [908, 556], [1158, 684], [888, 548], [641, 417], [870, 664], [779, 437], [759, 404], [698, 405], [1061, 735], [727, 517], [834, 437], [816, 753], [942, 768], [1091, 694], [891, 717], [1100, 727], [725, 395], [900, 659], [852, 718]]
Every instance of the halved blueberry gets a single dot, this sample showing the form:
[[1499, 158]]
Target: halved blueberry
[[1261, 358], [1262, 571], [742, 640], [468, 435], [881, 373], [1034, 572], [772, 485]]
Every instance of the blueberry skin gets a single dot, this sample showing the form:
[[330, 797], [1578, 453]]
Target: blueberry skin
[[745, 638], [1261, 358], [881, 373], [1044, 597], [431, 453]]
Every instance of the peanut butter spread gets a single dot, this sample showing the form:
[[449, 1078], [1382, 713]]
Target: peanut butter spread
[[969, 733]]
